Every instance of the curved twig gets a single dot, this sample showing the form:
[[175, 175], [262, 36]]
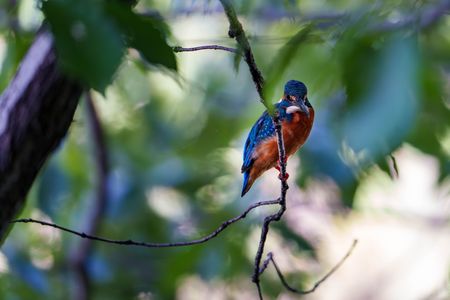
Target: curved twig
[[319, 282], [215, 233]]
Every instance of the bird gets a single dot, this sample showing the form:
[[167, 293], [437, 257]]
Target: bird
[[261, 148]]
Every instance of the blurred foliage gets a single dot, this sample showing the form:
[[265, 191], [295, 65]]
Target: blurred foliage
[[175, 140], [94, 33]]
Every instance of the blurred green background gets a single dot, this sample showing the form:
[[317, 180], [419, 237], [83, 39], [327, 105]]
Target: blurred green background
[[378, 77]]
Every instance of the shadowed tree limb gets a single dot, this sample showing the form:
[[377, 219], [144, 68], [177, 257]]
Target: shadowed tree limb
[[36, 110], [79, 258]]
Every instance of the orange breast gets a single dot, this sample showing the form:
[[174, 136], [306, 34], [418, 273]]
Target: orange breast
[[266, 157], [297, 131], [295, 134]]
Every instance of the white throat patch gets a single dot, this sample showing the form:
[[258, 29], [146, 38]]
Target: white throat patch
[[292, 109]]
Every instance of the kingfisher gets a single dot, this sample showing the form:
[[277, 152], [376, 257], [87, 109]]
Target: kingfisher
[[261, 148]]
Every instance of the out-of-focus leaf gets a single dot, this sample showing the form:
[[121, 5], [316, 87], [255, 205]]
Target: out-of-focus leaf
[[386, 114], [291, 236], [434, 115], [359, 63], [183, 261], [87, 41], [284, 57], [52, 188], [144, 34], [348, 191], [320, 157], [21, 265]]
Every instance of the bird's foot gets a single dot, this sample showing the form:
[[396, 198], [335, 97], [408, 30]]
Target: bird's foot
[[283, 178], [278, 166]]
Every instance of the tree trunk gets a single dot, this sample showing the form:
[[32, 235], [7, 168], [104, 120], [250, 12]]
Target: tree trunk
[[36, 110]]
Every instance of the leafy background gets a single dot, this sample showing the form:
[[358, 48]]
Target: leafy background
[[175, 125]]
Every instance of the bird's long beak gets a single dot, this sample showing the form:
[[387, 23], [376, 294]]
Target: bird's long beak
[[303, 108]]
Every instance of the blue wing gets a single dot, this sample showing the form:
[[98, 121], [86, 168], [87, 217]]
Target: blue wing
[[262, 130]]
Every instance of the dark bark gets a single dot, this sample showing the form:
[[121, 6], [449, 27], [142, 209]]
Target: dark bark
[[36, 110]]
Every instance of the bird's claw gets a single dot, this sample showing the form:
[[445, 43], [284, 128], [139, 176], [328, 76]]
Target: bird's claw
[[283, 178], [278, 167]]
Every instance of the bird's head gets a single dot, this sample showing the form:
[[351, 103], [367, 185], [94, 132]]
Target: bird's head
[[295, 92]]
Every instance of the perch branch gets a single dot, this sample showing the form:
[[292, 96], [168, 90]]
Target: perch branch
[[236, 31], [276, 216], [215, 233]]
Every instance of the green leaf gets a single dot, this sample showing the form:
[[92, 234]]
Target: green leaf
[[144, 34], [88, 44], [358, 66], [282, 60], [430, 128], [386, 113]]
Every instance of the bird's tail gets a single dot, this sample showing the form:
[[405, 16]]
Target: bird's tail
[[248, 182]]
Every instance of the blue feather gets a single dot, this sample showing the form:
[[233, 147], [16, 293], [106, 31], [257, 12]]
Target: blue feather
[[262, 130], [244, 186], [295, 88]]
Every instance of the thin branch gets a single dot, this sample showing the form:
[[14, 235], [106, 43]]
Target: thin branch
[[206, 47], [215, 233], [78, 259], [265, 263], [319, 282], [257, 271], [237, 32]]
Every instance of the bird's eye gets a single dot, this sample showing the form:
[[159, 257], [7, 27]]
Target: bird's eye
[[291, 98]]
